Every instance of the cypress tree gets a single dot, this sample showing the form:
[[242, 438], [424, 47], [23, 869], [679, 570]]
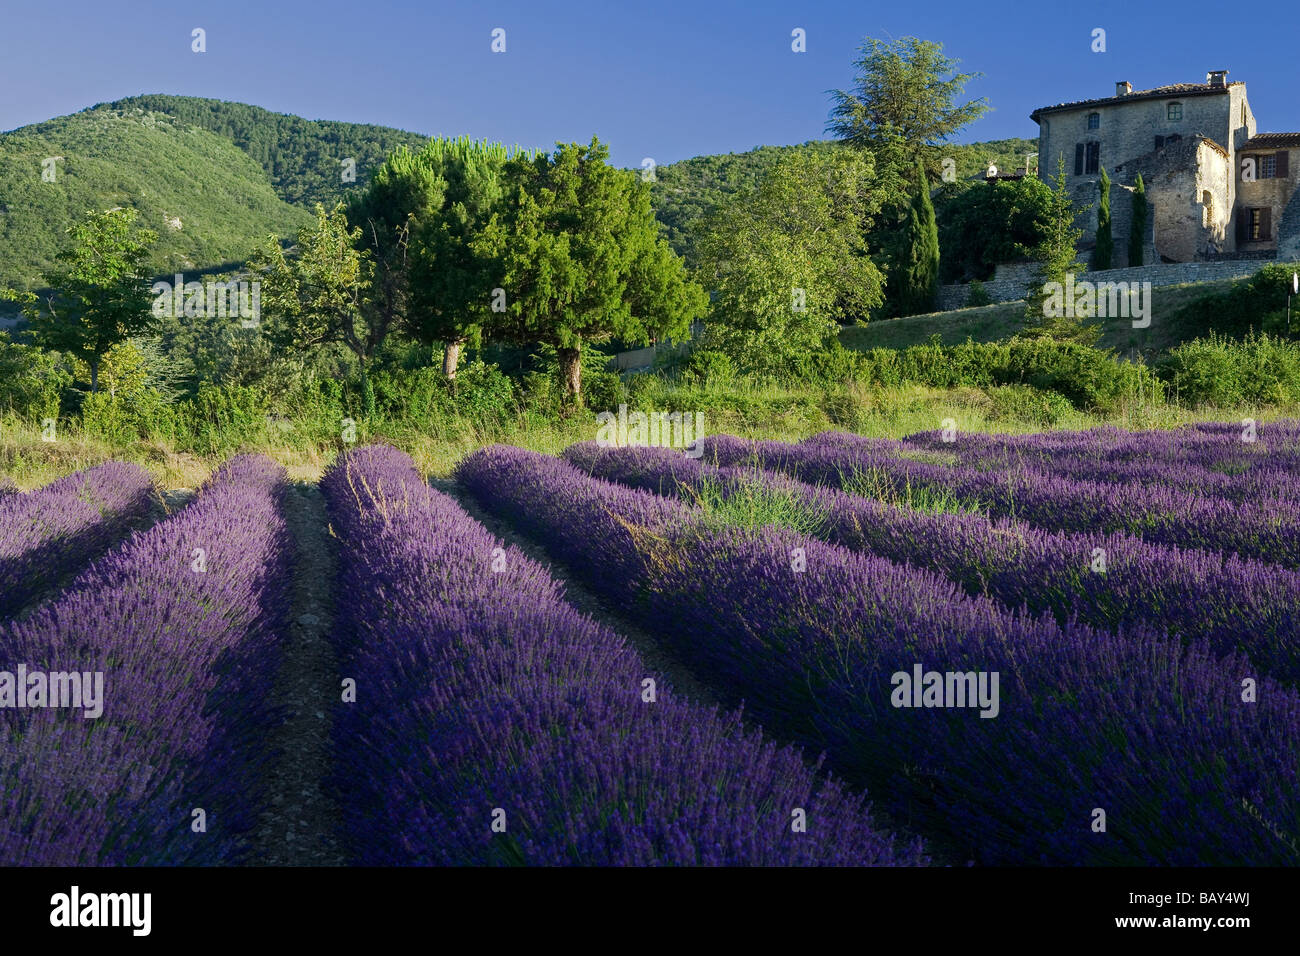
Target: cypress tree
[[921, 271], [1138, 224], [1105, 248]]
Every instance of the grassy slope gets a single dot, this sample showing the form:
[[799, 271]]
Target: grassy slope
[[992, 323], [149, 162]]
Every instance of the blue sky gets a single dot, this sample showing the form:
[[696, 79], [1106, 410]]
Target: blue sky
[[665, 80]]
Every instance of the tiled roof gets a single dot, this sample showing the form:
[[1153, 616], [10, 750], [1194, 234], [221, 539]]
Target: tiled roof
[[1158, 92], [1272, 141]]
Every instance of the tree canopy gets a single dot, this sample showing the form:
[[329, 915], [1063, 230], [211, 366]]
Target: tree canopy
[[788, 259], [579, 258], [100, 292]]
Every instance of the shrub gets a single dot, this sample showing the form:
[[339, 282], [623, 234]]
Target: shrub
[[708, 367], [1087, 377], [1224, 372], [1255, 304], [31, 380], [977, 295], [220, 419], [1025, 403]]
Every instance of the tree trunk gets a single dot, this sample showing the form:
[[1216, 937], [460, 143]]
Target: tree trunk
[[94, 374], [367, 393], [451, 358], [571, 373]]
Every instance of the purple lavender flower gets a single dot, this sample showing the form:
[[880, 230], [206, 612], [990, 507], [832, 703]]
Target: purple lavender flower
[[484, 698]]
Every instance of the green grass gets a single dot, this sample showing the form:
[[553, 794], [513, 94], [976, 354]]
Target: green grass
[[868, 482], [994, 323], [784, 413], [753, 504]]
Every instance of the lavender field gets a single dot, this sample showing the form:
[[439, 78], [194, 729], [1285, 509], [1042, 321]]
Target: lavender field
[[1062, 649]]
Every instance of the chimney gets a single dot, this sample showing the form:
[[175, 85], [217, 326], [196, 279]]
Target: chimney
[[1216, 77], [1123, 88]]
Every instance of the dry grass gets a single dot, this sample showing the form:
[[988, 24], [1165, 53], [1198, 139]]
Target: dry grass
[[765, 412]]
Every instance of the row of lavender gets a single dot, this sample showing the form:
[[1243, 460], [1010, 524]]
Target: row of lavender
[[1237, 462], [494, 724], [162, 652], [1104, 747], [1106, 580], [1267, 531], [49, 533]]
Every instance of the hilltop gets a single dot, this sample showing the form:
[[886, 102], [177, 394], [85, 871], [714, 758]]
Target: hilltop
[[206, 198]]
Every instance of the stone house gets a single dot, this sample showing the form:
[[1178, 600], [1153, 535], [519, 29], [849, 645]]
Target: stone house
[[1216, 188]]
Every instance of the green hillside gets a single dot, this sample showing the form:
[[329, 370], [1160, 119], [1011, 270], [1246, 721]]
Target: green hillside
[[684, 192], [206, 199], [301, 157], [232, 173]]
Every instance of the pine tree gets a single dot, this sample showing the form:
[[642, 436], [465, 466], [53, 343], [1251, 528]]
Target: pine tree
[[1138, 224], [577, 251], [1104, 251], [920, 273]]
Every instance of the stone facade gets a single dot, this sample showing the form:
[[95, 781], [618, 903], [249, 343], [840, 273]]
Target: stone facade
[[1214, 185], [1268, 180]]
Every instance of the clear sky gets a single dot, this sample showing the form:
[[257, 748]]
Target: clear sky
[[663, 79]]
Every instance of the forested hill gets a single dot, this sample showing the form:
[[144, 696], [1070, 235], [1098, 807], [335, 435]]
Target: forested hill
[[302, 157], [204, 197], [212, 178], [685, 191]]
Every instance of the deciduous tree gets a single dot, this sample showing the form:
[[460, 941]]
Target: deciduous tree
[[788, 259], [101, 296]]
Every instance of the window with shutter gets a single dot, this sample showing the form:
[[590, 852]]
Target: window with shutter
[[1258, 227], [1267, 167], [1093, 158], [1078, 159], [1242, 226], [1283, 165]]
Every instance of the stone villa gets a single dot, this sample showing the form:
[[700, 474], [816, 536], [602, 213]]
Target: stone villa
[[1217, 188]]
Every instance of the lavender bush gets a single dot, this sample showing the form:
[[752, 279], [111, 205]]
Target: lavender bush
[[184, 621], [1265, 531], [481, 691], [49, 533], [1183, 759], [1233, 604], [1188, 460]]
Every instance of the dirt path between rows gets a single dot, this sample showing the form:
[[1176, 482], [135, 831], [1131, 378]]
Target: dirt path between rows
[[658, 659], [301, 824]]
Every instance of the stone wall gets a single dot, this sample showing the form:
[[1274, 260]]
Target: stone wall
[[1009, 281]]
